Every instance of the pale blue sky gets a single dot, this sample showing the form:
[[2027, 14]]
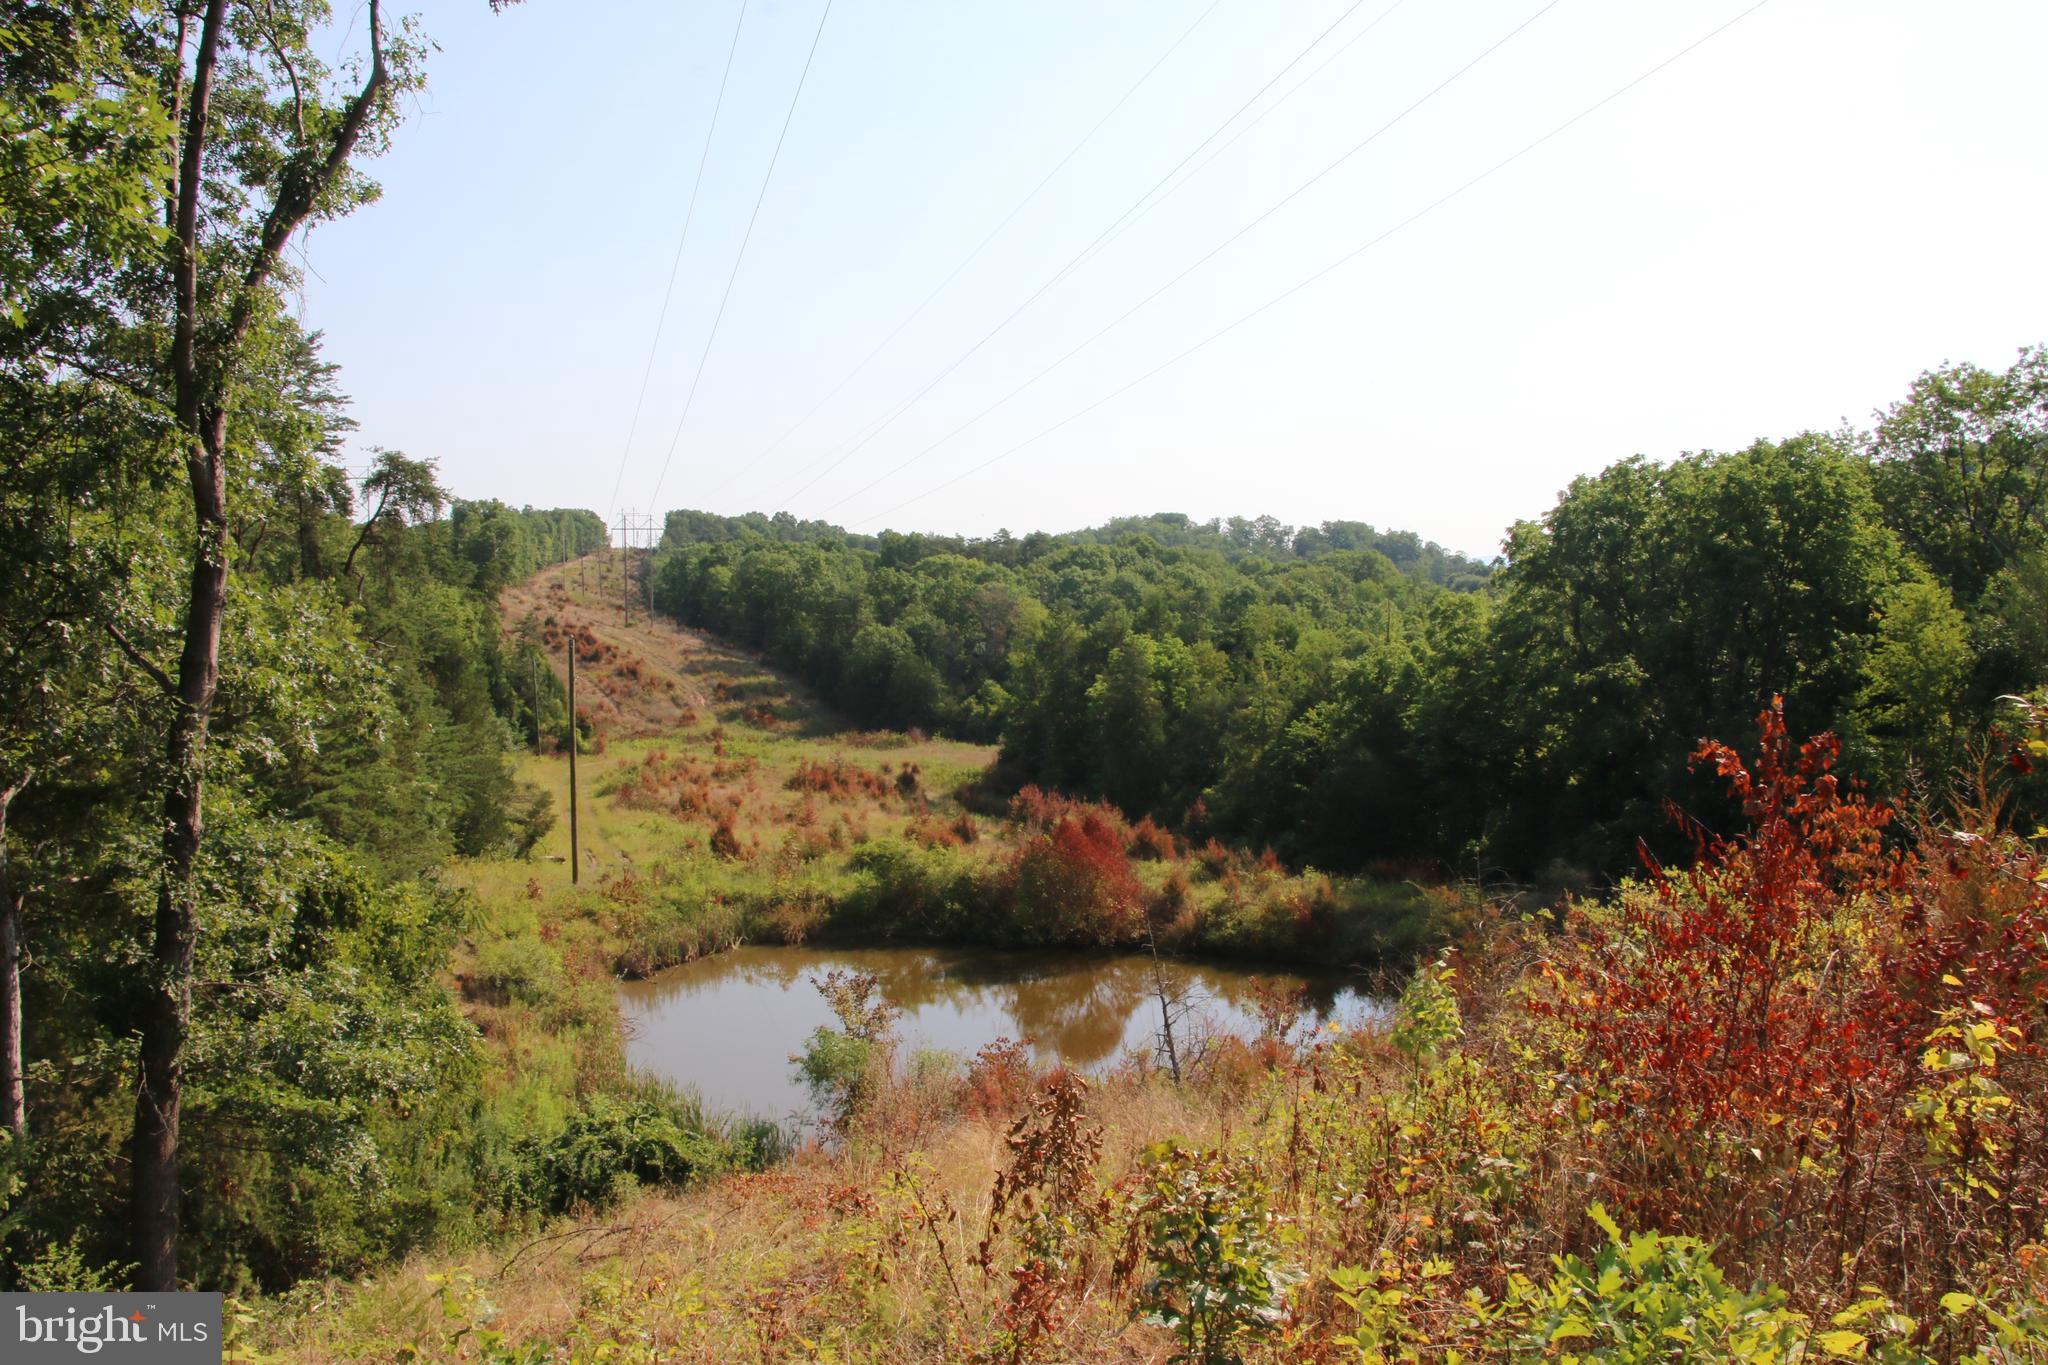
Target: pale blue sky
[[1775, 233]]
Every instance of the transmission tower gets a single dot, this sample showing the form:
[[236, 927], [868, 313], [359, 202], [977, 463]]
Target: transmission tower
[[635, 531]]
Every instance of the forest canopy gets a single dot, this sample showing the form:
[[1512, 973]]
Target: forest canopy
[[1352, 696]]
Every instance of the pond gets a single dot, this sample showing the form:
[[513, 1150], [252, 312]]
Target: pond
[[726, 1025]]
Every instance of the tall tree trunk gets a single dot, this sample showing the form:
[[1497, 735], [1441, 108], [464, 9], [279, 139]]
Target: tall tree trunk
[[201, 376], [13, 1090], [167, 1006], [167, 1010]]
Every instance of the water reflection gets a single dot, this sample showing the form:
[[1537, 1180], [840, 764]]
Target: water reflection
[[726, 1025]]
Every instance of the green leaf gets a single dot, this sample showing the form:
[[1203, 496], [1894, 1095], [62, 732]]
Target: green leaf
[[1571, 1327]]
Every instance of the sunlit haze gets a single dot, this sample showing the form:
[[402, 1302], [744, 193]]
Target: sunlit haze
[[1774, 233]]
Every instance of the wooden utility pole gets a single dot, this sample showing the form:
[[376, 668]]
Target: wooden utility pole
[[575, 861]]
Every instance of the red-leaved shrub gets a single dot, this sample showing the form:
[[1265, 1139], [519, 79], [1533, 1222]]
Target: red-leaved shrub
[[1074, 885]]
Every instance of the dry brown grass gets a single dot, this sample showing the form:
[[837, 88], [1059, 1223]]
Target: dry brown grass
[[864, 1253]]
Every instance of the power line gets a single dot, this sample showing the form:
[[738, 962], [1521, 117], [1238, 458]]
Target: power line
[[1253, 122], [982, 245], [1206, 256], [675, 266], [1333, 266], [1068, 268], [654, 499]]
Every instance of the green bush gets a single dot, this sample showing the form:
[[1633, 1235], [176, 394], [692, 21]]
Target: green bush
[[905, 891], [517, 970], [838, 1068], [1219, 1280], [613, 1145], [1652, 1297]]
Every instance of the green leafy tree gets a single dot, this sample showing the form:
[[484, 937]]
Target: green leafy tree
[[1914, 676], [265, 140], [1962, 465]]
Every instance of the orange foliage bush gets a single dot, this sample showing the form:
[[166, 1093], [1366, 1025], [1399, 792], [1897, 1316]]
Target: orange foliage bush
[[1811, 1039], [725, 841], [1149, 840], [1074, 885], [999, 1080], [838, 780], [1039, 810], [933, 833]]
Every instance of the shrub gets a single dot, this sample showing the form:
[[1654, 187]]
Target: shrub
[[608, 1147], [1654, 1297], [1047, 1204], [838, 780], [844, 1068], [910, 892], [1426, 1021], [1074, 886], [1149, 841], [839, 1070], [521, 970], [999, 1079], [1202, 1224], [1818, 1046], [532, 815]]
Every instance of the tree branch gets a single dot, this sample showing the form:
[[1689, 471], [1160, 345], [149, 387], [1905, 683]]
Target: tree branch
[[141, 661], [191, 166], [269, 31], [300, 193], [363, 535], [93, 370]]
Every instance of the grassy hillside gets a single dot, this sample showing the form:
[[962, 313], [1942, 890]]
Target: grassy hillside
[[722, 801]]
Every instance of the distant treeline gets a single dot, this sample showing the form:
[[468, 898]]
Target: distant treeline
[[1233, 537], [1329, 692]]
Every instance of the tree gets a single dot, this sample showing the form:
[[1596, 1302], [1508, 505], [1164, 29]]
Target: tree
[[84, 157], [84, 154], [1914, 675], [1962, 468], [1656, 606], [406, 490], [267, 141]]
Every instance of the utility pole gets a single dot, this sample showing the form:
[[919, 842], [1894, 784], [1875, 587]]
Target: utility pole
[[535, 672], [575, 861]]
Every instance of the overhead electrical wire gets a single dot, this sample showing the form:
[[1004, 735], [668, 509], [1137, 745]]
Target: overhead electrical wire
[[1068, 268], [983, 244], [1208, 255], [738, 259], [1247, 126], [676, 265], [1326, 270]]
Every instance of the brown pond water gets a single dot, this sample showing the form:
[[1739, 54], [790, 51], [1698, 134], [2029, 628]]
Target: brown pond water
[[726, 1025]]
